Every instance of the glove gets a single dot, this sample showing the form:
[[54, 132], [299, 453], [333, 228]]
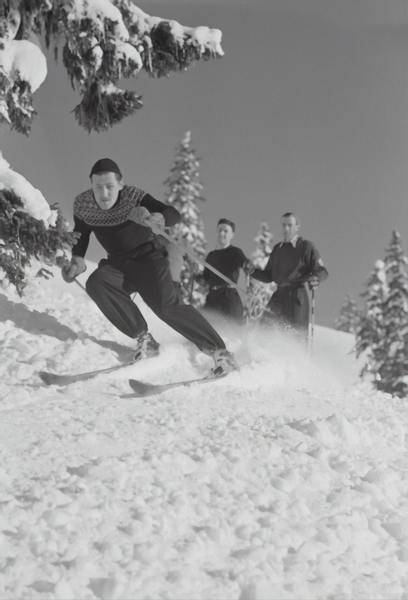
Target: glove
[[313, 282], [71, 270], [139, 214], [248, 267], [156, 223]]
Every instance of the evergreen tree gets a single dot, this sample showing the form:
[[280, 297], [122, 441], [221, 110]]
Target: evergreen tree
[[394, 365], [259, 294], [348, 317], [263, 242], [101, 43], [29, 228], [370, 325], [184, 192]]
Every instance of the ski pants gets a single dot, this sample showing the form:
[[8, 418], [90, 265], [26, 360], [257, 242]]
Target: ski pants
[[289, 305], [111, 285], [225, 300]]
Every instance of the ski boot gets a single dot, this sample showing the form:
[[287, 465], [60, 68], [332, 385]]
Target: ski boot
[[146, 347], [224, 362]]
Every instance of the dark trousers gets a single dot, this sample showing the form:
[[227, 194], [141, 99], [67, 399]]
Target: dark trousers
[[226, 301], [289, 306], [111, 285]]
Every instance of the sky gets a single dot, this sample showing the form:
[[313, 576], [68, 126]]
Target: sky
[[307, 111]]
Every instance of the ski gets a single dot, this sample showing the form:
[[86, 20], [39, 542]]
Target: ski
[[56, 379], [142, 389]]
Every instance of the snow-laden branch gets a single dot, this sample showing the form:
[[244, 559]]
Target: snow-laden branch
[[33, 201], [102, 42]]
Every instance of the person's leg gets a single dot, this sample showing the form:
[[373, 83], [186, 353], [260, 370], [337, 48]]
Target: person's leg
[[301, 311], [235, 309], [155, 285], [106, 286], [274, 312]]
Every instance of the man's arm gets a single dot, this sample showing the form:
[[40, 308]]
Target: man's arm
[[72, 269], [318, 271], [82, 243], [265, 275], [170, 214]]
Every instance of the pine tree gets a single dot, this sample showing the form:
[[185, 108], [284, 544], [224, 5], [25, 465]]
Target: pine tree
[[184, 192], [370, 325], [29, 228], [259, 294], [263, 241], [393, 370], [28, 238], [101, 43], [348, 317]]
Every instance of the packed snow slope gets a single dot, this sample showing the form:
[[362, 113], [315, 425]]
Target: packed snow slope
[[287, 480]]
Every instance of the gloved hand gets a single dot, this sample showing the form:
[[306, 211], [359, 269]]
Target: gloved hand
[[313, 282], [156, 223], [139, 214], [248, 267], [71, 270]]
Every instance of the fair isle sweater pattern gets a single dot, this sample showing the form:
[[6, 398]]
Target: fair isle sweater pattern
[[87, 209]]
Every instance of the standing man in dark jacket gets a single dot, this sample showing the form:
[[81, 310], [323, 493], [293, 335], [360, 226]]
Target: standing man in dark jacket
[[118, 215], [227, 259], [294, 264]]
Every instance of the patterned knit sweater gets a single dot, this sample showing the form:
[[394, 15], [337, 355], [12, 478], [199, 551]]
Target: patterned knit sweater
[[118, 235]]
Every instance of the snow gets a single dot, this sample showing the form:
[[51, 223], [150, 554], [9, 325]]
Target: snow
[[97, 11], [33, 200], [24, 59], [286, 480]]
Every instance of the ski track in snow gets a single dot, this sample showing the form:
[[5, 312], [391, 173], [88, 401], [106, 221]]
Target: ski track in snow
[[287, 480]]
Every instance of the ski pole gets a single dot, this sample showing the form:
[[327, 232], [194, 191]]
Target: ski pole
[[191, 292], [247, 282], [80, 284], [312, 320], [190, 252]]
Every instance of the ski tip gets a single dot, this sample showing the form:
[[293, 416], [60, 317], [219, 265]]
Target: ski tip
[[141, 388], [46, 377]]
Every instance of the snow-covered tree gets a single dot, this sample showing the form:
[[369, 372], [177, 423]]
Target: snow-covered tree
[[393, 370], [101, 43], [259, 294], [348, 317], [370, 326], [263, 242], [184, 192], [29, 227]]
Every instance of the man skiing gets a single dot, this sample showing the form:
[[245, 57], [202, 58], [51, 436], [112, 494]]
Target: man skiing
[[118, 215], [227, 259], [293, 264]]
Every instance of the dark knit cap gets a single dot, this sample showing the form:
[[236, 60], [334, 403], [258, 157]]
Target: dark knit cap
[[105, 165], [224, 221]]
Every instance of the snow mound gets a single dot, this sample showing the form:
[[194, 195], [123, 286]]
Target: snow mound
[[286, 480]]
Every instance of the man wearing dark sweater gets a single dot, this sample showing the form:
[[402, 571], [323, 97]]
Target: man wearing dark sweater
[[293, 265], [228, 259], [118, 215]]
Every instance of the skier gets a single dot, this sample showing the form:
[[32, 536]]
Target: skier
[[118, 214], [228, 259], [293, 264]]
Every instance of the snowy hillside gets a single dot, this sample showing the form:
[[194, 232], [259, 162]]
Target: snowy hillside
[[286, 480]]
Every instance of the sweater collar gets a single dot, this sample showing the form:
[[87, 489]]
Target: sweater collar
[[293, 241]]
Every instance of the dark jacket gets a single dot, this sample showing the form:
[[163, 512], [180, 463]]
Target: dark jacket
[[290, 265]]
